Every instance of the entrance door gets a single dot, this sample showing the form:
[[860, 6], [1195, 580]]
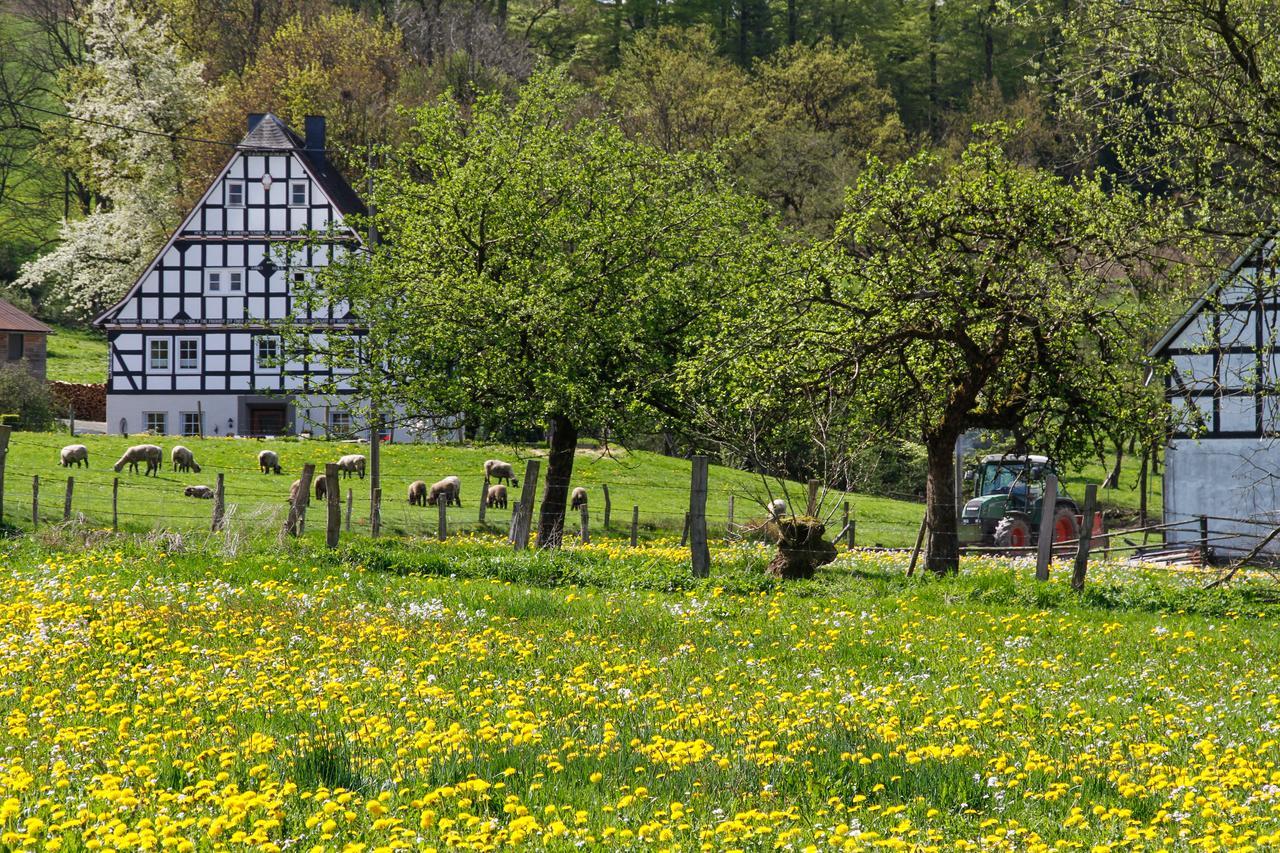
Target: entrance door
[[267, 420]]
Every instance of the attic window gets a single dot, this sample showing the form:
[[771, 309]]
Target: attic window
[[235, 193], [297, 193]]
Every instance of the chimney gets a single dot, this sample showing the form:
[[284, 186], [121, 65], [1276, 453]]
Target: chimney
[[314, 132], [254, 119]]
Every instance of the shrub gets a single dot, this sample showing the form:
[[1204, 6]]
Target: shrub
[[23, 395]]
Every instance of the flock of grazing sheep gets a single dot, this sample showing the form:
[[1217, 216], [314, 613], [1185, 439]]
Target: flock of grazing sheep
[[499, 473]]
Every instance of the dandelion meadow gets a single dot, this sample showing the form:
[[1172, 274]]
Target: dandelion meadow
[[295, 700]]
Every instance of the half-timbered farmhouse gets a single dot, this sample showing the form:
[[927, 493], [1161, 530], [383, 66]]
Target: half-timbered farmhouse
[[1223, 458], [194, 345]]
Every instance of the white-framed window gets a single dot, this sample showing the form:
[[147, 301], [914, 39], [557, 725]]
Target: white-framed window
[[235, 193], [157, 422], [298, 193], [340, 424], [220, 280], [268, 351], [190, 423], [158, 354], [188, 354]]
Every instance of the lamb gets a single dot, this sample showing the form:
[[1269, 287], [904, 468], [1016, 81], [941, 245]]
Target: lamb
[[497, 497], [199, 492], [352, 464], [74, 454], [148, 453], [775, 508], [295, 490], [322, 488], [449, 488], [578, 498], [269, 462], [497, 470], [417, 493], [183, 460]]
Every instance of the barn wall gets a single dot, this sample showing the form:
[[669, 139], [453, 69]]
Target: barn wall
[[1228, 477]]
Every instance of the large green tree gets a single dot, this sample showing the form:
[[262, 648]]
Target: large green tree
[[975, 294], [538, 268]]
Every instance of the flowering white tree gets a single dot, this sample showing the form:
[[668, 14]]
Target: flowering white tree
[[127, 105]]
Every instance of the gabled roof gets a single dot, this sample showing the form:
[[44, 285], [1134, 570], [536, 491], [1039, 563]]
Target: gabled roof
[[1196, 307], [271, 134], [15, 320]]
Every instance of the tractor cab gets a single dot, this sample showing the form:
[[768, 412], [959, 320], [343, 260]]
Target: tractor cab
[[1005, 510]]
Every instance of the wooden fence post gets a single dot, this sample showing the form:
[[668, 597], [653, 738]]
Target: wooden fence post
[[811, 508], [528, 493], [332, 497], [684, 531], [484, 498], [375, 519], [375, 471], [199, 419], [853, 533], [728, 526], [219, 505], [297, 506], [1204, 540], [66, 501], [350, 500], [115, 504], [1086, 538], [584, 525], [845, 517], [442, 522], [1044, 543], [71, 422], [35, 501], [635, 525], [915, 552], [698, 547], [608, 505], [4, 452]]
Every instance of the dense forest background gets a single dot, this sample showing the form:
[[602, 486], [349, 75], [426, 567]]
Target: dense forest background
[[794, 95]]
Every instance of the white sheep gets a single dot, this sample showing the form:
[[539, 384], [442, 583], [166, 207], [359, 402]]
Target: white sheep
[[417, 493], [579, 498], [199, 492], [151, 454], [352, 464], [75, 454], [269, 462], [497, 471], [450, 488], [496, 498], [183, 459], [775, 508]]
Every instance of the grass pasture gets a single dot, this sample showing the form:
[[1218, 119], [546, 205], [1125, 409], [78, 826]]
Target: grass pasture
[[291, 699], [77, 355], [657, 484]]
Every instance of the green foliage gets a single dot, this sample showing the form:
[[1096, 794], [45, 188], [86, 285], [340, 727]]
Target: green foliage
[[537, 263], [23, 395]]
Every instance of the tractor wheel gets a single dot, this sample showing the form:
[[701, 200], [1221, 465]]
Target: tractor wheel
[[1065, 528], [1013, 532]]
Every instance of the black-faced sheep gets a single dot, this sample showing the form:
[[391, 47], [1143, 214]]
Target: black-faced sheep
[[199, 492], [578, 499], [351, 464], [139, 453], [183, 459], [269, 462], [75, 454], [497, 471], [449, 488], [417, 493], [497, 497]]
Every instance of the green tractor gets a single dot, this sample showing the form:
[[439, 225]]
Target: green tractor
[[1005, 511]]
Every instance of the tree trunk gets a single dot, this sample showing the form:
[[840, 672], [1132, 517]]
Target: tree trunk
[[989, 39], [792, 22], [943, 554], [562, 438], [1113, 478], [934, 117]]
